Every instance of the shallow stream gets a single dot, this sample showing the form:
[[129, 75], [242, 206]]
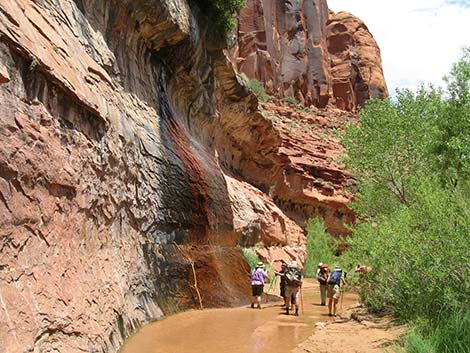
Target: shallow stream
[[235, 330]]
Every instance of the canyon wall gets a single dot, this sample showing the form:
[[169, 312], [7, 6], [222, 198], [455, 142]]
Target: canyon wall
[[111, 198], [133, 158], [302, 50]]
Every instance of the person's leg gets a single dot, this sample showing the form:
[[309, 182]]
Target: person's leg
[[323, 293], [296, 301], [259, 295], [336, 298], [329, 289], [288, 298]]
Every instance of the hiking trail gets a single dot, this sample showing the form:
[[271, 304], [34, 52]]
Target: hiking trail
[[243, 330]]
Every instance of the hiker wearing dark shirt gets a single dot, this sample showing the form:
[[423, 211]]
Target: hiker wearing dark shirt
[[334, 281], [323, 272], [282, 283], [258, 277], [294, 282]]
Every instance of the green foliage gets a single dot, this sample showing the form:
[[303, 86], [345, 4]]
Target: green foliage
[[219, 14], [257, 88], [321, 247], [452, 335], [454, 147], [251, 256], [391, 146], [411, 158], [418, 254], [293, 101]]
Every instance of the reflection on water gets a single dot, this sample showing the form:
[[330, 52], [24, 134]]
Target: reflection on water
[[238, 330]]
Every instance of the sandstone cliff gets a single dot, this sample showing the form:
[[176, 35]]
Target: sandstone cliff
[[109, 185], [301, 49], [132, 158]]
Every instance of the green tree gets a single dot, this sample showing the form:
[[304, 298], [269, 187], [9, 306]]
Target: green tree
[[411, 159], [321, 247], [454, 148], [219, 14], [392, 145]]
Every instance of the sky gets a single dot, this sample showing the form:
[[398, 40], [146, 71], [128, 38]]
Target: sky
[[419, 39]]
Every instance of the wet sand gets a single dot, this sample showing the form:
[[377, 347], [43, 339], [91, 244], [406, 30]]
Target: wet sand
[[235, 330]]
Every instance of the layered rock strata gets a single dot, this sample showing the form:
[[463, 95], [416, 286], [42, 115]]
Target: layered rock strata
[[133, 161], [111, 200], [302, 50]]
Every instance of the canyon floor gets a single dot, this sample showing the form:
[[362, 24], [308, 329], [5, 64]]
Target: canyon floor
[[243, 330]]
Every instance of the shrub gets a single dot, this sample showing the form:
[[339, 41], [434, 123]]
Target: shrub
[[293, 101], [257, 88], [321, 247], [452, 335], [219, 14], [418, 254], [251, 257], [411, 159]]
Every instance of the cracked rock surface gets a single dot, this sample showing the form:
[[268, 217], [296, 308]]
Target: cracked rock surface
[[133, 160]]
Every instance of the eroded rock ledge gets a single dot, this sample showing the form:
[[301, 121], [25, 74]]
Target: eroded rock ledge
[[130, 154], [108, 183]]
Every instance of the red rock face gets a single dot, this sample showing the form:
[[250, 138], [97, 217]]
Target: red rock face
[[126, 171], [108, 159], [356, 66], [311, 181], [302, 50]]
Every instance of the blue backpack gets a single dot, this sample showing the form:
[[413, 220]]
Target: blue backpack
[[335, 277]]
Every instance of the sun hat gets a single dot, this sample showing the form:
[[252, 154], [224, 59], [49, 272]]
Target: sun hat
[[293, 264], [320, 264], [260, 264]]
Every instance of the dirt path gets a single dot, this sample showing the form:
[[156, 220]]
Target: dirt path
[[245, 330], [351, 336]]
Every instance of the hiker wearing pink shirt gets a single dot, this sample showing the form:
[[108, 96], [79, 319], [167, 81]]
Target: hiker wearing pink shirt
[[258, 277]]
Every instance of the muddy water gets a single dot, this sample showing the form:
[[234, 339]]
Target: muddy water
[[237, 330]]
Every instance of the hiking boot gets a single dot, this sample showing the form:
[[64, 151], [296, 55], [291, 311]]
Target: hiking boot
[[296, 312], [252, 305]]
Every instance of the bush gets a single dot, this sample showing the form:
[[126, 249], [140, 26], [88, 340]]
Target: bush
[[257, 88], [411, 159], [452, 335], [418, 255], [293, 101], [321, 247], [251, 257], [219, 14]]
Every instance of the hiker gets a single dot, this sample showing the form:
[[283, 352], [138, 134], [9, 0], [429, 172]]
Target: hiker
[[334, 281], [281, 274], [323, 272], [258, 277], [362, 269], [294, 282]]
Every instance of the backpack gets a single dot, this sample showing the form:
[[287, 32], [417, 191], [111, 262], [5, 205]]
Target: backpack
[[293, 277], [335, 277], [322, 276]]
